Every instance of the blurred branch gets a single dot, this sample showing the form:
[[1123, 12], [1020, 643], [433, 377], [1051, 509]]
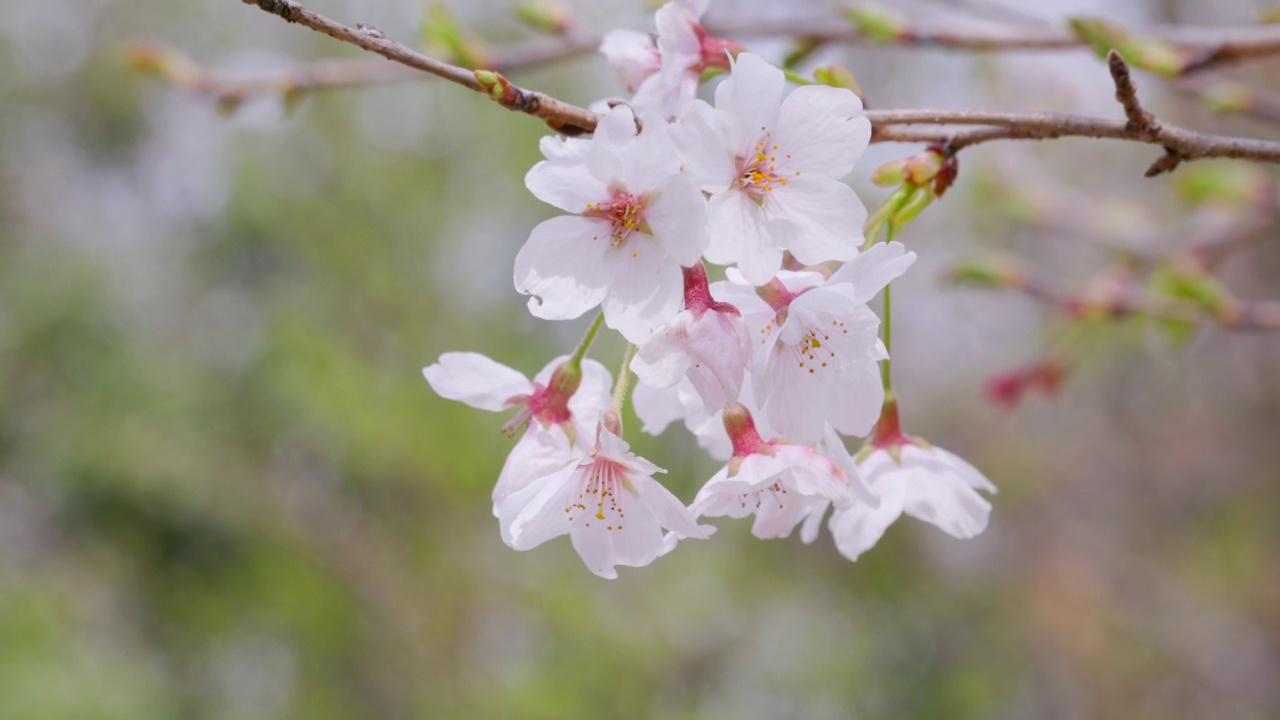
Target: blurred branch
[[1197, 48], [1226, 96], [559, 115], [231, 91], [1117, 300], [1180, 144]]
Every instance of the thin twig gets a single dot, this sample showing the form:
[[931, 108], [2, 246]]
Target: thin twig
[[1180, 144], [560, 115]]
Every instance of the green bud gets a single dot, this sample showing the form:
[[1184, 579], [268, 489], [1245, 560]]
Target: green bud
[[887, 209], [890, 174], [877, 23], [1186, 280], [444, 37], [548, 16], [919, 199], [987, 274], [837, 76], [1098, 34]]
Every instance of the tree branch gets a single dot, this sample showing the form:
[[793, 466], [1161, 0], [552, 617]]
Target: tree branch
[[1180, 144], [559, 115]]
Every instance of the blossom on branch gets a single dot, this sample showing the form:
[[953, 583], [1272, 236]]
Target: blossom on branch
[[773, 168], [638, 220], [609, 505]]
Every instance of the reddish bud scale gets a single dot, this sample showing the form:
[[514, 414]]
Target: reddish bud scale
[[888, 434], [715, 51], [742, 432], [1007, 389]]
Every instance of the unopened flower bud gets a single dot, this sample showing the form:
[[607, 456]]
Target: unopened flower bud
[[923, 167], [891, 173], [548, 16], [837, 76], [916, 202], [877, 22], [999, 273]]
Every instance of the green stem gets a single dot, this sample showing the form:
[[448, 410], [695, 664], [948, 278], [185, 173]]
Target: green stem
[[624, 376], [886, 323], [581, 351]]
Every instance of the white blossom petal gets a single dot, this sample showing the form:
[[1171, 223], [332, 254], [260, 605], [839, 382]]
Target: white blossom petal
[[476, 380], [823, 130], [647, 289], [818, 219], [563, 266], [739, 235]]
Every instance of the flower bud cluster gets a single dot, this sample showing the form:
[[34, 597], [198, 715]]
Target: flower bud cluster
[[768, 368]]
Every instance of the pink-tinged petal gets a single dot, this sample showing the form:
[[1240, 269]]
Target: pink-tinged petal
[[635, 543], [677, 40], [612, 446], [664, 359], [656, 407], [816, 218], [777, 513], [563, 265], [649, 160], [752, 94], [739, 235], [719, 343], [475, 380], [946, 501], [536, 513], [647, 289], [539, 452], [822, 131], [795, 401], [857, 529], [563, 150], [707, 142], [871, 271], [677, 215], [632, 54], [968, 473], [832, 447], [589, 403], [817, 477], [755, 472], [667, 509], [616, 130], [566, 184], [812, 524], [859, 399]]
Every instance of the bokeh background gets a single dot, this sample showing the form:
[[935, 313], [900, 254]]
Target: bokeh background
[[226, 492]]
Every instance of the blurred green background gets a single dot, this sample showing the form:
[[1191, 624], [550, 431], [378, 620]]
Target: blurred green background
[[226, 492]]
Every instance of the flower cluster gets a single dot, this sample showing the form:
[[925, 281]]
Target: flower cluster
[[769, 368]]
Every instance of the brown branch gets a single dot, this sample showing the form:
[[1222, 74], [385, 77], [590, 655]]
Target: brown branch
[[558, 114], [1120, 303], [1204, 47], [1180, 144]]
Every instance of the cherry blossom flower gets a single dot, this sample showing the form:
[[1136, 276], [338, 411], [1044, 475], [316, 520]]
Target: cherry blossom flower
[[706, 342], [925, 482], [780, 483], [657, 408], [773, 168], [607, 502], [818, 349], [639, 220], [560, 408], [663, 74], [910, 476]]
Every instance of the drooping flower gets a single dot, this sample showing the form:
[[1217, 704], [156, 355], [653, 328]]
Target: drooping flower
[[706, 342], [773, 168], [557, 411], [818, 349], [638, 221], [781, 484], [609, 505], [915, 478]]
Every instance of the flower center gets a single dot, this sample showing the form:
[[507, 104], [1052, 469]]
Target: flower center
[[599, 495], [815, 349], [625, 213], [758, 171]]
